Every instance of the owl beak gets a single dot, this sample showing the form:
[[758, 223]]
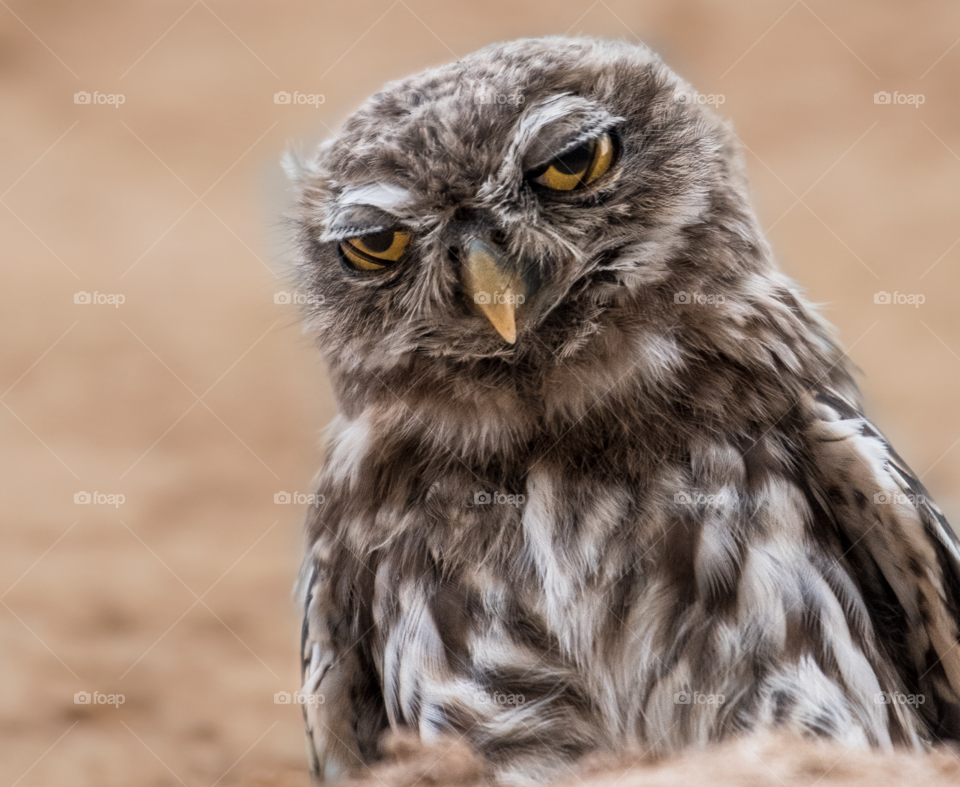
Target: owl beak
[[494, 286]]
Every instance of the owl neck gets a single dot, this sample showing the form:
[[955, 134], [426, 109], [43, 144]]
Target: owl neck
[[733, 369]]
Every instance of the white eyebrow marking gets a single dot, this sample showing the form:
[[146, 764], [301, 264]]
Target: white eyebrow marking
[[570, 113], [393, 199], [548, 110]]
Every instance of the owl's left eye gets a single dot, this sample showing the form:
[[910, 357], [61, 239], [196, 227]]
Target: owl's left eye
[[376, 251], [579, 167]]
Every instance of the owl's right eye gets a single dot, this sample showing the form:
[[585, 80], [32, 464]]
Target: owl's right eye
[[374, 252]]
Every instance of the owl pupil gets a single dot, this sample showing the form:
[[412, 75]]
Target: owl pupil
[[576, 160], [379, 242]]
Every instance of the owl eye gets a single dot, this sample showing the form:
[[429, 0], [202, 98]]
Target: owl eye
[[579, 167], [376, 251]]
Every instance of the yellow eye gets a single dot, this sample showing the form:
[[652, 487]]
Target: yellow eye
[[376, 251], [579, 167]]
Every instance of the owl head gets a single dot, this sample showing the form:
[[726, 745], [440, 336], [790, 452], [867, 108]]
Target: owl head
[[522, 228]]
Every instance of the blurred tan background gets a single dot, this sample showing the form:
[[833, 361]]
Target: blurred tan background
[[198, 399]]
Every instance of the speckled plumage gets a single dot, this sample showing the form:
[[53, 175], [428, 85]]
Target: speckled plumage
[[685, 498]]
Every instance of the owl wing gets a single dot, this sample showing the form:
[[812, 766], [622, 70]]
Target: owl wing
[[900, 549], [342, 703]]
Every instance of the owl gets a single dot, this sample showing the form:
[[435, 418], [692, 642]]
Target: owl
[[600, 476]]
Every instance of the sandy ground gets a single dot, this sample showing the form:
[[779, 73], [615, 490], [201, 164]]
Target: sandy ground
[[198, 399]]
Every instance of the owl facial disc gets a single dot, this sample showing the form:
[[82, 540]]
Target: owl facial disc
[[494, 286]]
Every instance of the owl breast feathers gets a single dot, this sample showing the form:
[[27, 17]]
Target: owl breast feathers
[[600, 477]]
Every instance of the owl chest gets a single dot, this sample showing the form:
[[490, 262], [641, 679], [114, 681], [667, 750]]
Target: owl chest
[[535, 619], [599, 612]]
